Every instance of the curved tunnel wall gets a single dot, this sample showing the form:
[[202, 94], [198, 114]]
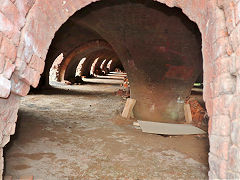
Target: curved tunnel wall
[[161, 52]]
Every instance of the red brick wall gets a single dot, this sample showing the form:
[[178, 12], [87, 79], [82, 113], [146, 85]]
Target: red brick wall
[[27, 28]]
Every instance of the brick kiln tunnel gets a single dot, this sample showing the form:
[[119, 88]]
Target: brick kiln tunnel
[[162, 59], [160, 47]]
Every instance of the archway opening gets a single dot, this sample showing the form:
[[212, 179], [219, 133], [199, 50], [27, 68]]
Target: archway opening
[[54, 71]]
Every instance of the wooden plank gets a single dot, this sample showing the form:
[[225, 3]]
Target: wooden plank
[[169, 129], [188, 114], [128, 108], [132, 115]]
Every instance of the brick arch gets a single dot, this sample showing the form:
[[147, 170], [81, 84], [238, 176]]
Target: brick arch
[[104, 65], [83, 50], [34, 41], [86, 68], [101, 57], [99, 53], [32, 44]]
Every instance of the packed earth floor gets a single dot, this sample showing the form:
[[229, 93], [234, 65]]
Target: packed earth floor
[[76, 132]]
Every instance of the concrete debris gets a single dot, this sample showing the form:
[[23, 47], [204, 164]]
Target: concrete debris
[[136, 125]]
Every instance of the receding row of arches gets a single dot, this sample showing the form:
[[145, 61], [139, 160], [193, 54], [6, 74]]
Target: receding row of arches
[[94, 57], [91, 59]]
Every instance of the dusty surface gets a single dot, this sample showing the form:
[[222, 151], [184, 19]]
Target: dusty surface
[[76, 133]]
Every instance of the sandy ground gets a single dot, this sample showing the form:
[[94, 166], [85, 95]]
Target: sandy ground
[[76, 132]]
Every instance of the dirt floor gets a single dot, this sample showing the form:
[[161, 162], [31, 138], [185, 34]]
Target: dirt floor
[[76, 132]]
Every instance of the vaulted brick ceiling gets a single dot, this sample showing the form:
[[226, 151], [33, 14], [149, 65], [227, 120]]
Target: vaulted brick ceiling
[[159, 47]]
